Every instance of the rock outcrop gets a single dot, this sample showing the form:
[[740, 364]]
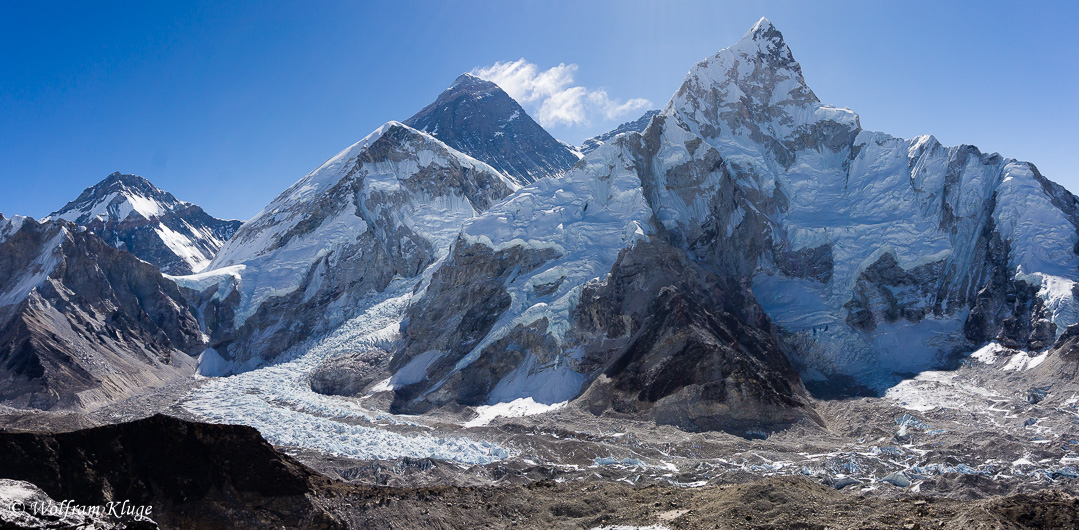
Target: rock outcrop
[[191, 475]]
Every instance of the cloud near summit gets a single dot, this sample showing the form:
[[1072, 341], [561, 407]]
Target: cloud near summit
[[553, 95]]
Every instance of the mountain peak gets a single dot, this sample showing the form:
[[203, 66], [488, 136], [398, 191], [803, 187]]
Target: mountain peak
[[117, 180], [754, 88], [478, 118], [115, 197], [132, 214], [762, 29], [470, 82]]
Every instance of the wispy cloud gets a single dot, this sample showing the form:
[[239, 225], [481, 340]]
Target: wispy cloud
[[552, 94]]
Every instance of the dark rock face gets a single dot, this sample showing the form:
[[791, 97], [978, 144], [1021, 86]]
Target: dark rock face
[[349, 375], [637, 125], [1061, 365], [194, 475], [84, 322], [886, 292], [473, 279], [477, 118], [177, 236], [684, 347]]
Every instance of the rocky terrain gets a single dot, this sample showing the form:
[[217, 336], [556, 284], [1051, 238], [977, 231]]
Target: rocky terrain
[[83, 323], [199, 475]]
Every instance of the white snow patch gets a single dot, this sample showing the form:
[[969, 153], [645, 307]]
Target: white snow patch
[[513, 409]]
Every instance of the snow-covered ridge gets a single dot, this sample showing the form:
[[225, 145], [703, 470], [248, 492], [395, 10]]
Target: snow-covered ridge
[[10, 226], [30, 277], [387, 206], [276, 262]]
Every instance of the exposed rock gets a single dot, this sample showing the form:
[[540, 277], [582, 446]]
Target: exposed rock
[[84, 323], [684, 347], [464, 299], [349, 375]]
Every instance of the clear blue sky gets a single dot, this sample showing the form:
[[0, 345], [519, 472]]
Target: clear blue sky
[[226, 105]]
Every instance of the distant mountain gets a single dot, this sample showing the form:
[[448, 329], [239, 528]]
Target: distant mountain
[[131, 214], [82, 323], [479, 119], [636, 125]]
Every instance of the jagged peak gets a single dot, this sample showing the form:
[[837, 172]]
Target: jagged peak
[[129, 179], [763, 29], [103, 200], [469, 81]]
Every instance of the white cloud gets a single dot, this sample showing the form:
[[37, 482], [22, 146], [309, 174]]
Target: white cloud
[[553, 97]]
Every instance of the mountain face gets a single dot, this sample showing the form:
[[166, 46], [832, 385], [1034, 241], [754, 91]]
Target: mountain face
[[386, 207], [132, 214], [477, 118], [637, 125], [82, 323], [794, 240]]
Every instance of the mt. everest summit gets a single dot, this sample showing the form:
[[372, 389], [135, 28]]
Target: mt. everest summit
[[479, 119]]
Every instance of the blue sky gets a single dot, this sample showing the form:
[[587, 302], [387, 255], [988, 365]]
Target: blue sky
[[227, 104]]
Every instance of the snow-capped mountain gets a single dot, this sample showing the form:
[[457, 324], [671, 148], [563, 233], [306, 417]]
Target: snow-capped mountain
[[636, 125], [82, 323], [10, 226], [131, 214], [388, 206], [872, 255], [479, 119]]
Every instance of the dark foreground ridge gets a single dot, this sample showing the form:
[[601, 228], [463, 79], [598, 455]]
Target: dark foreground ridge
[[198, 475], [192, 474]]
